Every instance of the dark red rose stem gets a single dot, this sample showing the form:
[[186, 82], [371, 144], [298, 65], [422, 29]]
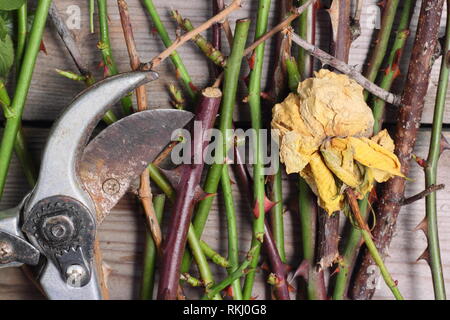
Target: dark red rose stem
[[218, 5], [409, 117], [189, 193], [328, 232]]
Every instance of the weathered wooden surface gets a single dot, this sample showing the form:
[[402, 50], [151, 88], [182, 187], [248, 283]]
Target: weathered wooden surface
[[121, 235], [46, 83]]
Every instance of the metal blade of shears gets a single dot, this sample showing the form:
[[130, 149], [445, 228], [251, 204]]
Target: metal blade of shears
[[120, 153]]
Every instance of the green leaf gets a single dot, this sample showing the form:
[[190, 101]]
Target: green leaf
[[6, 56], [11, 4], [4, 24]]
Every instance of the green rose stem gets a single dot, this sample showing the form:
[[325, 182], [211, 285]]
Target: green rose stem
[[278, 91], [22, 23], [150, 252], [20, 146], [254, 101], [232, 71], [23, 84], [361, 224], [294, 77], [276, 214], [191, 280], [233, 248], [91, 15], [181, 70], [213, 255], [241, 271], [212, 51], [315, 286], [306, 30], [431, 170], [392, 70], [353, 240], [207, 112], [382, 41], [202, 263], [105, 47]]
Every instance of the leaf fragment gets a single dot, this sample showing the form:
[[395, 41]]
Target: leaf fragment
[[11, 4]]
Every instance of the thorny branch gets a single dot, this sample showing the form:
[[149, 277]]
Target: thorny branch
[[409, 117], [347, 69], [236, 4], [145, 193], [189, 193], [431, 189]]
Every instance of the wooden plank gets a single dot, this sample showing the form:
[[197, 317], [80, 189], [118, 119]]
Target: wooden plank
[[121, 235], [46, 83]]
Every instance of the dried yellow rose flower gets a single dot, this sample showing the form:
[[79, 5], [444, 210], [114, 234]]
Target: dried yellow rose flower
[[325, 130]]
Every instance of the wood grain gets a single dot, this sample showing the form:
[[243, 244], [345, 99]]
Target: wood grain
[[122, 235], [47, 83]]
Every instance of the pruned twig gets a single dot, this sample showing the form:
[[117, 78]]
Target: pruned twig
[[409, 117], [145, 192], [347, 69], [429, 190], [373, 251], [181, 70], [236, 4], [279, 27]]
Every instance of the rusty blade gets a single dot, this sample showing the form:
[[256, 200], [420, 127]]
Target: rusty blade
[[120, 153]]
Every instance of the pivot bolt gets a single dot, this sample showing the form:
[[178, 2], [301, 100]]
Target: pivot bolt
[[58, 231], [111, 186], [58, 228], [5, 249]]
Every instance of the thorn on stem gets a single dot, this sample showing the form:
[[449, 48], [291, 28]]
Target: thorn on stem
[[302, 270], [423, 225], [268, 205], [420, 161], [424, 256], [444, 144]]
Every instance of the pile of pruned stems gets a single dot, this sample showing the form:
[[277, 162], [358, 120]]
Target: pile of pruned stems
[[180, 256]]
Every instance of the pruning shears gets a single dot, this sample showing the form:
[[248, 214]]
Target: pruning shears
[[53, 229]]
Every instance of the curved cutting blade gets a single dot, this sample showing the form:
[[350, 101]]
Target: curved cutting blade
[[120, 153]]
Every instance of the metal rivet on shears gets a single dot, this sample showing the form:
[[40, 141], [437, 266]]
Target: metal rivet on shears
[[75, 273], [5, 249], [111, 186]]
